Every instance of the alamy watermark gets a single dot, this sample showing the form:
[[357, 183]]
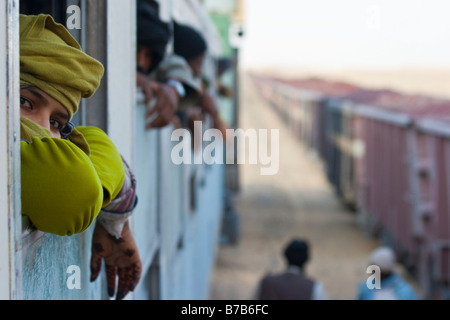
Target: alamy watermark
[[74, 17], [374, 280], [74, 280], [213, 152], [373, 21]]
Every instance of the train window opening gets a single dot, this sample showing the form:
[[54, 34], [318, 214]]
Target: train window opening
[[59, 10], [63, 12], [55, 8]]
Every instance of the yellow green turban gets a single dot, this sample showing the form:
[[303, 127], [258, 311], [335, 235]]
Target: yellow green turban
[[52, 60]]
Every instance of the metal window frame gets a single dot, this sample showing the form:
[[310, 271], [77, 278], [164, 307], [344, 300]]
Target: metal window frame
[[10, 226]]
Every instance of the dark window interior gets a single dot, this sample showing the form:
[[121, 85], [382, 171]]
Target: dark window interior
[[56, 8]]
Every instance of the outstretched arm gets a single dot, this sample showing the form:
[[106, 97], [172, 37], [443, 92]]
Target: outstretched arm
[[113, 240], [61, 191]]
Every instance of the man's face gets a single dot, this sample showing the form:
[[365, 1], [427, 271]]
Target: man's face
[[144, 58], [196, 65], [41, 108]]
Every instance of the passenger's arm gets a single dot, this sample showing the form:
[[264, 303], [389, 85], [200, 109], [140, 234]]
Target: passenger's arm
[[61, 190], [113, 240], [106, 160]]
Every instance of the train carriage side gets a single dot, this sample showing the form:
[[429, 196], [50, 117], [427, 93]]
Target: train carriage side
[[177, 222]]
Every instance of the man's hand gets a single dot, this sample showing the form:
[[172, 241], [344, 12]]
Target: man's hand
[[121, 258], [146, 85], [166, 101], [165, 107], [176, 122], [208, 105]]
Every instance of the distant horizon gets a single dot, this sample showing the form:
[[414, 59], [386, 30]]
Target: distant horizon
[[340, 69], [412, 80]]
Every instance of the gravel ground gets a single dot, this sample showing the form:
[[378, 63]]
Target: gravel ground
[[296, 202]]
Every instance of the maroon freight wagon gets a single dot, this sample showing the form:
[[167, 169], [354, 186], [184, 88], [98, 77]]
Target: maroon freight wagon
[[387, 152], [402, 177]]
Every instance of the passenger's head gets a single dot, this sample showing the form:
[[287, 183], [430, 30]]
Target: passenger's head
[[191, 45], [383, 257], [54, 73], [223, 65], [152, 37], [297, 252]]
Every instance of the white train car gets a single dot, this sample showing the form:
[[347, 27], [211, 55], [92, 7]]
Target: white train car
[[177, 222]]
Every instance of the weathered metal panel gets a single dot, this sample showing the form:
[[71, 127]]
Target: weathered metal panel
[[170, 211], [382, 176], [145, 219], [47, 278], [5, 160], [204, 236], [10, 265], [95, 44], [121, 77], [433, 143]]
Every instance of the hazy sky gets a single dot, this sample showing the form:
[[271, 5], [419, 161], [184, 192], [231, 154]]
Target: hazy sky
[[343, 34]]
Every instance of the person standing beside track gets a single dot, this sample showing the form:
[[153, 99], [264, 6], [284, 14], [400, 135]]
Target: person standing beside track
[[292, 284], [191, 45], [392, 285]]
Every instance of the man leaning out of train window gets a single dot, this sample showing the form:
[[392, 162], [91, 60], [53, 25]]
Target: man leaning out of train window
[[191, 45], [153, 35], [71, 176]]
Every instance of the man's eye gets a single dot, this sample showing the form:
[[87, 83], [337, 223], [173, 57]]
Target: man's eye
[[25, 103]]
